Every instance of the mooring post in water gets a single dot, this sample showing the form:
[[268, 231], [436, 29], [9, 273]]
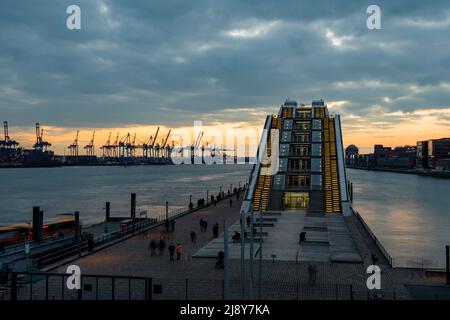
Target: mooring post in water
[[77, 227], [167, 210], [38, 217], [447, 263], [133, 206], [107, 211]]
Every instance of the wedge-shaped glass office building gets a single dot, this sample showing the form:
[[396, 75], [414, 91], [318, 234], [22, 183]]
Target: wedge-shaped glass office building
[[301, 163]]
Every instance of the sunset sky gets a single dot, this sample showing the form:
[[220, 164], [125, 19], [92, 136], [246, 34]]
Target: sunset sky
[[138, 64]]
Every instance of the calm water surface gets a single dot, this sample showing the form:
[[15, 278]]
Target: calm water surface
[[87, 189], [410, 214]]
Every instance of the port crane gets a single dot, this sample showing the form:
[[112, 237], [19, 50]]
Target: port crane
[[148, 146], [115, 146], [165, 147], [40, 144], [124, 146], [90, 148], [7, 142], [106, 148], [73, 148], [131, 148]]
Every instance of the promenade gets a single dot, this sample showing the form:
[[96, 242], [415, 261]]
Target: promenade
[[197, 278]]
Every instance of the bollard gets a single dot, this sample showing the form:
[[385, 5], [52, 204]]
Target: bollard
[[133, 206], [77, 227], [37, 227], [167, 210]]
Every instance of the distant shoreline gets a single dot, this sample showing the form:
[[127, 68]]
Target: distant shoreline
[[433, 174]]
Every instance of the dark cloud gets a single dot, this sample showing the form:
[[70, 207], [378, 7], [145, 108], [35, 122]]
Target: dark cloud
[[171, 62]]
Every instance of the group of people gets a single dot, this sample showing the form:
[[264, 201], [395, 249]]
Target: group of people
[[203, 225], [160, 245]]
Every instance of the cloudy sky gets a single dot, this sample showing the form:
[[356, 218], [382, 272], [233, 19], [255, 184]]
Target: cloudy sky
[[136, 64]]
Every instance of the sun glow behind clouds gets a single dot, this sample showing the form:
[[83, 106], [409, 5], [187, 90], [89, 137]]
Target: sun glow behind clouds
[[257, 30]]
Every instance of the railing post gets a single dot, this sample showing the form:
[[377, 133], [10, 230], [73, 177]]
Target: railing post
[[31, 286], [447, 263], [14, 286], [113, 293], [46, 287], [150, 289]]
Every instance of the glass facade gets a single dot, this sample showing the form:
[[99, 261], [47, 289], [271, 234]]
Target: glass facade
[[316, 181], [316, 165], [317, 124], [316, 150], [316, 136], [286, 136], [284, 149]]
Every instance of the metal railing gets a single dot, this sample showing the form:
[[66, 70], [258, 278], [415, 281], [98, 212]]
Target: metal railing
[[19, 247], [419, 263], [374, 238], [53, 286]]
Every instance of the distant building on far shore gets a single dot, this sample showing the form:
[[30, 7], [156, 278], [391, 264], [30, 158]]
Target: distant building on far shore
[[434, 153], [403, 157], [351, 150]]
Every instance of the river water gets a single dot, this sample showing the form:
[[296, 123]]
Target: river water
[[87, 189], [408, 213]]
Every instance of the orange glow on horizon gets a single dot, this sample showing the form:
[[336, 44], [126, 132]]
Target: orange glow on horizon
[[362, 133]]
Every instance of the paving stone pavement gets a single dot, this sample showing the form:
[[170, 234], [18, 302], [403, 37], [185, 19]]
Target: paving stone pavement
[[197, 278]]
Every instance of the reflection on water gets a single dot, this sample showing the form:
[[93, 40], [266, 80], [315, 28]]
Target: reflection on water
[[86, 189], [408, 213]]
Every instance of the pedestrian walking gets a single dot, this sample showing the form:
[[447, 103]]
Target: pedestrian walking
[[152, 247], [179, 250], [220, 260], [205, 225], [172, 225], [216, 230], [215, 202], [161, 246], [201, 225], [231, 202], [193, 237], [171, 252]]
